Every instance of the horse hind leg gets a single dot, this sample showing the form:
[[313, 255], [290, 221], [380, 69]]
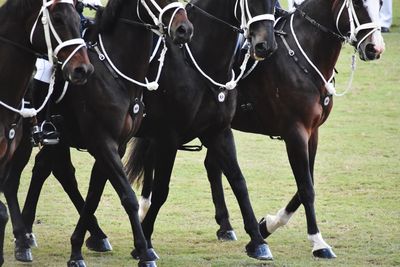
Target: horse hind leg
[[222, 145], [214, 174]]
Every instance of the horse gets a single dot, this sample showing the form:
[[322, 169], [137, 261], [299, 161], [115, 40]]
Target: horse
[[22, 40], [110, 102], [290, 96], [194, 101]]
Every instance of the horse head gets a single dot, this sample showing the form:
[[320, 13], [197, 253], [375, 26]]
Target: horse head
[[171, 18], [61, 29], [257, 20], [359, 19]]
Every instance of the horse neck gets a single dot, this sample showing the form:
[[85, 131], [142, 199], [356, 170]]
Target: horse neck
[[323, 48], [128, 46], [214, 49], [16, 65]]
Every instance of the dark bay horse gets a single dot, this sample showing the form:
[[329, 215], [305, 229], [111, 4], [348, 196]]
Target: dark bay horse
[[31, 28], [101, 115], [194, 101], [285, 96]]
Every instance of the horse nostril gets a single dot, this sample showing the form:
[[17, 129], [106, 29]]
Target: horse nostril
[[261, 48], [80, 72], [181, 30]]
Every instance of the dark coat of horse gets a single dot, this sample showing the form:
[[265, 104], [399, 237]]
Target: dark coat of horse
[[20, 43], [188, 105], [100, 117]]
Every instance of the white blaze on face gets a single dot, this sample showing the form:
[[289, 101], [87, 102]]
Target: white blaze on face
[[373, 7]]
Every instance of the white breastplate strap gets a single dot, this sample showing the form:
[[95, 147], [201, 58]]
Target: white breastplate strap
[[328, 83], [233, 82], [149, 85]]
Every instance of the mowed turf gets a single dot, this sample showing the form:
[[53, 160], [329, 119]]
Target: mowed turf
[[357, 182]]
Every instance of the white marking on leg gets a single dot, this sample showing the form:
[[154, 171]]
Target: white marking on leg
[[318, 242], [280, 219], [144, 205]]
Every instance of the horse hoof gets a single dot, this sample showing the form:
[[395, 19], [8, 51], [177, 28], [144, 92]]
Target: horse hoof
[[324, 253], [147, 264], [23, 254], [98, 245], [151, 254], [263, 228], [76, 263], [226, 235], [261, 252], [32, 240]]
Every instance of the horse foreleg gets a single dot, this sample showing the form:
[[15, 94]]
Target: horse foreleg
[[214, 174], [148, 176], [22, 250], [64, 172], [301, 151], [3, 222], [222, 146]]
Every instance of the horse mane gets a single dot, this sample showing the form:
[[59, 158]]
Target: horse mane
[[107, 17], [19, 8]]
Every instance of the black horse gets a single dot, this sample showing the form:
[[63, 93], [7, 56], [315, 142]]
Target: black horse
[[101, 115], [285, 96], [22, 39], [190, 103]]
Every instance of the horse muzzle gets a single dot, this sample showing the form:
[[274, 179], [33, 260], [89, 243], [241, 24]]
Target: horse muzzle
[[370, 51], [79, 74]]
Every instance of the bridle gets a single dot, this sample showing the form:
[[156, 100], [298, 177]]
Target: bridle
[[355, 25], [52, 54], [158, 21], [246, 19], [48, 27]]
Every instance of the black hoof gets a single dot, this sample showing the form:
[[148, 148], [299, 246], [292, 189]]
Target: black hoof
[[98, 245], [324, 253], [261, 252], [76, 263], [23, 254], [147, 264], [263, 228], [32, 240], [226, 235], [151, 254]]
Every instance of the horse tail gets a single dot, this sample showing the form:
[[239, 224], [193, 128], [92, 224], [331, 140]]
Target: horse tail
[[138, 156]]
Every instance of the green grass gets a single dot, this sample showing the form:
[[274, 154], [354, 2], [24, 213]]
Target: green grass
[[357, 187]]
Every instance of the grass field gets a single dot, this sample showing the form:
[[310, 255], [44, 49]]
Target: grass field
[[357, 190]]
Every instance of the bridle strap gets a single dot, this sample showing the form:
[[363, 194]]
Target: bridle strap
[[49, 27], [247, 19], [355, 25]]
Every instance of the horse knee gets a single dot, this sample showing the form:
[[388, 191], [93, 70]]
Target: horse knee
[[130, 204]]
